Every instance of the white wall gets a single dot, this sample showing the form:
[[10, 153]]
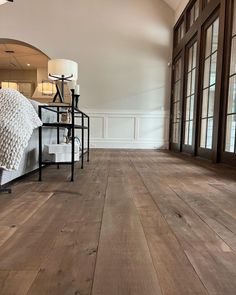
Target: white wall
[[123, 48], [180, 9]]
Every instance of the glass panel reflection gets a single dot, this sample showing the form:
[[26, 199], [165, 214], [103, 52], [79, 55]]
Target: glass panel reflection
[[209, 81], [211, 101], [208, 42], [203, 133], [176, 115], [230, 134], [209, 133], [205, 103], [207, 72], [233, 57], [190, 95], [232, 95]]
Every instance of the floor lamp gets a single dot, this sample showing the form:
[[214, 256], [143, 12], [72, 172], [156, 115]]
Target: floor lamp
[[62, 70]]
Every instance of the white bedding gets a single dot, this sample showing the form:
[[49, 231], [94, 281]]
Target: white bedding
[[18, 119]]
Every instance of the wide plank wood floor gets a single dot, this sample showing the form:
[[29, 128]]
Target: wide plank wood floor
[[132, 223]]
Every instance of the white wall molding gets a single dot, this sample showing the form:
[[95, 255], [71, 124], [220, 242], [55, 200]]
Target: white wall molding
[[129, 129]]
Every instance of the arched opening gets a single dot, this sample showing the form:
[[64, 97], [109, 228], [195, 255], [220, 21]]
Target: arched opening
[[25, 68]]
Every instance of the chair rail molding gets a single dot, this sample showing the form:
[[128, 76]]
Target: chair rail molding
[[129, 129]]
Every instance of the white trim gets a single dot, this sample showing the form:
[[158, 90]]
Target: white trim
[[160, 119], [121, 144], [97, 112]]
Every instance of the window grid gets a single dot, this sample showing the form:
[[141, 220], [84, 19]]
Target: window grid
[[209, 82], [180, 31], [190, 95], [193, 13], [176, 102]]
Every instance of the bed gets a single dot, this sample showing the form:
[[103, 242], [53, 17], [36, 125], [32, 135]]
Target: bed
[[29, 160]]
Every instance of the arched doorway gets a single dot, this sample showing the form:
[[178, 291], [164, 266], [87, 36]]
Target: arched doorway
[[24, 68]]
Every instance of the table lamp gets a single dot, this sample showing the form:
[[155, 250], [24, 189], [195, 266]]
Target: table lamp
[[62, 70]]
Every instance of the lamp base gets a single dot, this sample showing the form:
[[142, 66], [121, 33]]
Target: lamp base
[[58, 93]]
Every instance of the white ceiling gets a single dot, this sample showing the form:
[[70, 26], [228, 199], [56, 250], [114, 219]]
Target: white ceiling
[[174, 4], [23, 58]]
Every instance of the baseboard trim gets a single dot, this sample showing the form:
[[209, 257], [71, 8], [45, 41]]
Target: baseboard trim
[[113, 144]]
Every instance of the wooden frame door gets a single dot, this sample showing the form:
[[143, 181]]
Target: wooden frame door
[[208, 90], [176, 104], [190, 97], [228, 144]]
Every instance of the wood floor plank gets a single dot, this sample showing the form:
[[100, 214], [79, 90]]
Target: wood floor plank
[[209, 254], [5, 233], [18, 211], [124, 264], [216, 216], [175, 272], [21, 209], [16, 282], [69, 266]]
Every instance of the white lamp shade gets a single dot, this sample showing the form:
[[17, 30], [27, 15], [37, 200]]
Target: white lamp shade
[[3, 1], [62, 67]]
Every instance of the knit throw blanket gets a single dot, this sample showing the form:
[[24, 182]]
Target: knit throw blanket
[[18, 119]]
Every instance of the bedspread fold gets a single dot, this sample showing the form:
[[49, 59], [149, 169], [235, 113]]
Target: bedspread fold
[[18, 119]]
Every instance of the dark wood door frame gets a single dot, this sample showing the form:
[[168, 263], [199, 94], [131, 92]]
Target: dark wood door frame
[[186, 148], [176, 146], [204, 152], [226, 157], [214, 8]]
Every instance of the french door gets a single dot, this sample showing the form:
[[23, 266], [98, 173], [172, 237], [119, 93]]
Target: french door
[[209, 57], [176, 105], [229, 126], [190, 95]]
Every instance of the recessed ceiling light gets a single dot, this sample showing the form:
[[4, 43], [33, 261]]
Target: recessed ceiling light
[[28, 65]]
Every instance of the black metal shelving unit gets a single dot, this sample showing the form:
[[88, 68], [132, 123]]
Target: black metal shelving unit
[[76, 113]]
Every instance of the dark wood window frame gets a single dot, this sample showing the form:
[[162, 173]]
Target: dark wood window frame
[[196, 32], [224, 156], [176, 146], [187, 148]]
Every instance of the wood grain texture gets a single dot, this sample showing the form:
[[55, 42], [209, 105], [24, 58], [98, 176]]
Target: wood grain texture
[[16, 282], [133, 222], [124, 262]]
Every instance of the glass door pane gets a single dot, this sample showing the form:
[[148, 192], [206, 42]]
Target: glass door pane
[[189, 98], [209, 82], [176, 103], [193, 13]]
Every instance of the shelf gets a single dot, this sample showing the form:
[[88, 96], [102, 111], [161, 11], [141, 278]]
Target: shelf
[[57, 163], [64, 125], [75, 113]]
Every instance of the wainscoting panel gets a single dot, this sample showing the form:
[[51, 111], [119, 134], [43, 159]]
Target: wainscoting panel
[[120, 128], [97, 127], [132, 130]]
